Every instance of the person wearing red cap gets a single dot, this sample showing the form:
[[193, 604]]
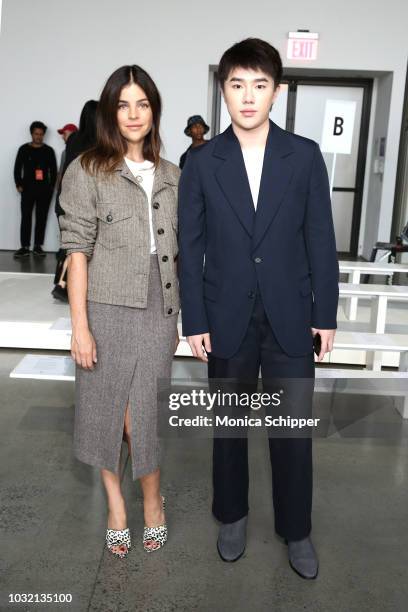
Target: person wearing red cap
[[67, 130], [60, 292]]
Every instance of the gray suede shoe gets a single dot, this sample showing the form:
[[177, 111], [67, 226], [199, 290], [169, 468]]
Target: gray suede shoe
[[303, 558], [232, 540]]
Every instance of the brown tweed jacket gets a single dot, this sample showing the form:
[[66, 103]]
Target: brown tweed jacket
[[107, 218]]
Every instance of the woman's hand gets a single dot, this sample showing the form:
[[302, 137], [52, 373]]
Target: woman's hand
[[83, 348]]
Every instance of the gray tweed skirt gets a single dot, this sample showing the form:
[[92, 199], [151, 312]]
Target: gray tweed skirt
[[135, 347]]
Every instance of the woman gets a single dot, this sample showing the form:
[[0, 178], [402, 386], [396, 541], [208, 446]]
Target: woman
[[120, 233]]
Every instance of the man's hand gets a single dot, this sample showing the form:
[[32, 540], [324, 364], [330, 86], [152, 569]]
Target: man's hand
[[20, 189], [327, 337], [200, 345]]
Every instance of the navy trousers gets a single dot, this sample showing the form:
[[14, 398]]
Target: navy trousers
[[291, 457]]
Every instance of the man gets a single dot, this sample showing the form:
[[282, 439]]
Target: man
[[256, 241], [196, 128], [35, 172]]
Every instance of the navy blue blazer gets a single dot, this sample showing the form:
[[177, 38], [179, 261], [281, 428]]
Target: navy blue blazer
[[286, 247]]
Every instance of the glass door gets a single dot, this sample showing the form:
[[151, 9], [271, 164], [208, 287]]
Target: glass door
[[308, 121]]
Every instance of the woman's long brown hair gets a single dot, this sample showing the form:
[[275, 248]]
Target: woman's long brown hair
[[110, 146]]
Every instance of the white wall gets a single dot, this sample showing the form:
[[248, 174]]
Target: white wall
[[54, 55]]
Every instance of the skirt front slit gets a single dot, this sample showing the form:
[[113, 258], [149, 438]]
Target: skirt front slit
[[135, 347]]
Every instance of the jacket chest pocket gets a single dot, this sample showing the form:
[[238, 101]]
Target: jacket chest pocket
[[113, 224]]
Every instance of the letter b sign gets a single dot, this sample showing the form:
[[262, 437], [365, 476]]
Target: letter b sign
[[338, 126]]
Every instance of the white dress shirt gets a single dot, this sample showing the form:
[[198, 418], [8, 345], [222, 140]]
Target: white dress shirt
[[253, 159]]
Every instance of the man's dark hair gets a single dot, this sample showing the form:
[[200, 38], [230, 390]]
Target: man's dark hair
[[38, 125], [253, 54]]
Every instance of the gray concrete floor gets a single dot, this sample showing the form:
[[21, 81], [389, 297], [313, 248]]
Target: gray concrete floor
[[53, 519]]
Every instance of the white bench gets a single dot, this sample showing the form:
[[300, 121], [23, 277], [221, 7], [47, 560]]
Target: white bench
[[61, 367], [374, 344], [380, 295], [358, 378], [355, 269], [54, 336], [58, 367]]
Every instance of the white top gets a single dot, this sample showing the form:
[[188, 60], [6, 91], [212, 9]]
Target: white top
[[144, 174], [253, 159]]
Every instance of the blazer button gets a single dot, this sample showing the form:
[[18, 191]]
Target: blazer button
[[156, 205], [170, 310], [258, 259], [251, 294], [165, 258], [160, 230], [109, 218], [168, 285]]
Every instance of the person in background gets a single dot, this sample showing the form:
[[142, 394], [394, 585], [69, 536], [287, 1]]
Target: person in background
[[85, 137], [35, 173], [67, 130], [196, 128], [78, 142]]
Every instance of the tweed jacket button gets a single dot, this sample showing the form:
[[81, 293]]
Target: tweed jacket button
[[165, 258], [156, 205], [109, 218], [170, 310], [168, 285], [160, 230]]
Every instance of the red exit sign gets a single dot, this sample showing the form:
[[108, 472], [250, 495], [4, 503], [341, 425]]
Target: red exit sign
[[302, 45]]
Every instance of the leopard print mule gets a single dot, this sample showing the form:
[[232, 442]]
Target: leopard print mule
[[155, 534], [118, 537]]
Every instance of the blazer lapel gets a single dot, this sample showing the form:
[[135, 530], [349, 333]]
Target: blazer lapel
[[233, 180], [277, 173]]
